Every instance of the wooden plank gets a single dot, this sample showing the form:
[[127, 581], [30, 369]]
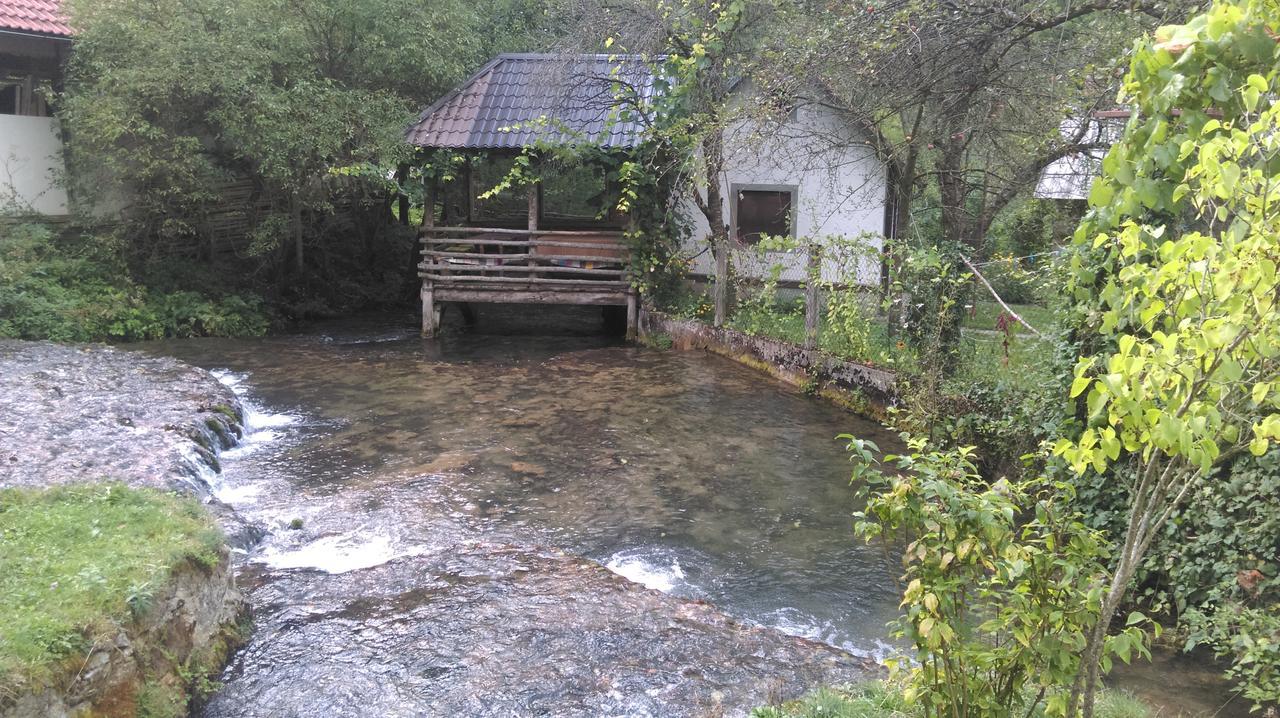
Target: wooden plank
[[544, 296], [614, 246], [521, 232], [501, 268], [448, 241], [542, 257], [442, 280]]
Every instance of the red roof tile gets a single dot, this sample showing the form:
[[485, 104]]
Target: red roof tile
[[37, 16]]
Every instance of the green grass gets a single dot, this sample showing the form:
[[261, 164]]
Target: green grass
[[786, 323], [879, 700], [78, 561], [985, 314]]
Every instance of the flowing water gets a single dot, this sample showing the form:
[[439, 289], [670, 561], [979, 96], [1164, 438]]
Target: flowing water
[[427, 501]]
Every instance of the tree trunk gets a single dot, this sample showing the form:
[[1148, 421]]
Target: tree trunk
[[713, 153], [902, 192], [295, 210]]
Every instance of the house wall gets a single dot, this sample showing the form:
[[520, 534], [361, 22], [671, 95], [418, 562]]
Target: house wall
[[841, 191], [31, 165]]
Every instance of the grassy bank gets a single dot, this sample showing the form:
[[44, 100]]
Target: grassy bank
[[878, 700], [78, 562]]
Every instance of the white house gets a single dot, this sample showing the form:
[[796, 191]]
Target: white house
[[810, 176], [34, 43]]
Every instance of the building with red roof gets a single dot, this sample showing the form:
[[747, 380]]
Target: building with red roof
[[35, 39], [37, 17]]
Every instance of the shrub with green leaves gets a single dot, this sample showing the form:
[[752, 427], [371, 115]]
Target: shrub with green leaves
[[1003, 583], [1175, 280], [76, 288]]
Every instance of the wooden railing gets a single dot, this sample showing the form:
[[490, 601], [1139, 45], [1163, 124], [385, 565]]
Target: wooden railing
[[561, 259]]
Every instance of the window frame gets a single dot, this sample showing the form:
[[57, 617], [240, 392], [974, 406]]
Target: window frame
[[735, 188]]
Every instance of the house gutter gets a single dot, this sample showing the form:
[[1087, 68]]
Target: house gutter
[[37, 35]]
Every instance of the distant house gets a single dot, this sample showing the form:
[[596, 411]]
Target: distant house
[[806, 173], [1071, 177], [34, 43]]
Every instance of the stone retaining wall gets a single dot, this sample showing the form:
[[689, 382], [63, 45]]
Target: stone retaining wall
[[863, 389]]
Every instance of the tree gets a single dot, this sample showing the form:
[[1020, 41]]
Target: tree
[[967, 101], [305, 98], [699, 53], [1175, 280]]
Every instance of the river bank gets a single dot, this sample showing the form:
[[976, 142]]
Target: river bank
[[118, 595]]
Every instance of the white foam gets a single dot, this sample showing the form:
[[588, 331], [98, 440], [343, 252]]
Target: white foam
[[259, 424], [659, 575], [339, 554], [794, 622]]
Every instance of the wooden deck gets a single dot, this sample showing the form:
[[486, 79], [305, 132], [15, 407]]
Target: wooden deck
[[523, 266]]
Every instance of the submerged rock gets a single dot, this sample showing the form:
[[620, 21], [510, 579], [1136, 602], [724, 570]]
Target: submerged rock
[[494, 630]]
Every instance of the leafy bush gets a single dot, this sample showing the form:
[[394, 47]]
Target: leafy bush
[[1002, 583], [77, 289]]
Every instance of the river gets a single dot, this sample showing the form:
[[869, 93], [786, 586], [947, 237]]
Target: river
[[427, 502]]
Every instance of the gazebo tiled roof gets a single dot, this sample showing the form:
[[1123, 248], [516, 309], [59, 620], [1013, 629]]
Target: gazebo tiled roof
[[518, 99]]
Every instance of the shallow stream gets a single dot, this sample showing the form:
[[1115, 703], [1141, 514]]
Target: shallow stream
[[427, 501]]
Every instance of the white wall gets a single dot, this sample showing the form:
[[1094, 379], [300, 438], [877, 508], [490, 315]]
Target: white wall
[[841, 189], [31, 166]]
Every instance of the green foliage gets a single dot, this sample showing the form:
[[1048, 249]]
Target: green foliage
[[78, 562], [1250, 637], [1033, 226], [867, 700], [884, 700], [934, 292], [1174, 277], [1002, 583], [77, 289]]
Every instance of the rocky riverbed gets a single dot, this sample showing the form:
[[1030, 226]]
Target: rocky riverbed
[[73, 414]]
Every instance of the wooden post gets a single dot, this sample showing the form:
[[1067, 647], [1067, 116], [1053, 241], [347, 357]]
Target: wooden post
[[428, 203], [812, 297], [429, 323], [633, 314], [533, 222], [721, 289]]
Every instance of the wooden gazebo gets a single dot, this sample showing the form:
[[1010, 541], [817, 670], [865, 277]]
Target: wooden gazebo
[[513, 104]]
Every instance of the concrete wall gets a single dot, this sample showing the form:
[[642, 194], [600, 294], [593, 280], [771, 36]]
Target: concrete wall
[[841, 191], [31, 165]]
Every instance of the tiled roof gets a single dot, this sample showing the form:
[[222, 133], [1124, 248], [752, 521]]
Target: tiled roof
[[42, 17], [519, 99]]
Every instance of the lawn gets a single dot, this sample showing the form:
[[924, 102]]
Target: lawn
[[984, 315], [76, 562]]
